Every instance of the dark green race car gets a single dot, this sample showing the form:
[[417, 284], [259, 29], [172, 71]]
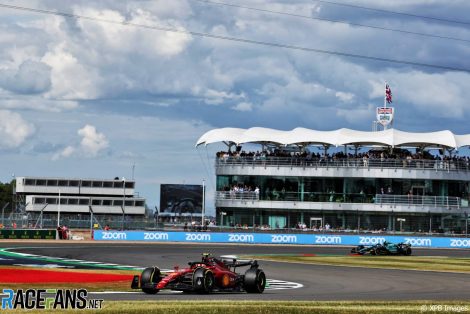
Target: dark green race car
[[385, 248]]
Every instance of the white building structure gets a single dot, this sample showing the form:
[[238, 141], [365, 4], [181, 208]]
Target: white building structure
[[345, 178], [76, 196]]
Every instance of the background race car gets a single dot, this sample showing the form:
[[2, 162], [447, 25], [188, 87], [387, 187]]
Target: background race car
[[385, 248]]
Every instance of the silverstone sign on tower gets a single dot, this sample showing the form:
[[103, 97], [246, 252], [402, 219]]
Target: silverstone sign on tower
[[279, 238], [385, 115]]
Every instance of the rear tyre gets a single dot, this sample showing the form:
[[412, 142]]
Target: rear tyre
[[408, 251], [203, 280], [150, 276], [255, 281]]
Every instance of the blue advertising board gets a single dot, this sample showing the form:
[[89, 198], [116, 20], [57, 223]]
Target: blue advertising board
[[268, 238]]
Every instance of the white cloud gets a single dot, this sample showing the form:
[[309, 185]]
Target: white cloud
[[30, 78], [37, 103], [214, 97], [71, 79], [66, 152], [344, 97], [14, 130], [243, 106], [360, 115], [92, 142]]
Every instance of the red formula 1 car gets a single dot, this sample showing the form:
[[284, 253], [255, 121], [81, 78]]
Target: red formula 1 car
[[208, 275]]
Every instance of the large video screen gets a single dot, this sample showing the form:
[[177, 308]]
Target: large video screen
[[181, 199]]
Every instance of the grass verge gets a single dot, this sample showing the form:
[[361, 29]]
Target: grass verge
[[442, 264], [265, 307]]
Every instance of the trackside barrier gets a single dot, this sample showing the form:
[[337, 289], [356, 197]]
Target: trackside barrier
[[264, 238]]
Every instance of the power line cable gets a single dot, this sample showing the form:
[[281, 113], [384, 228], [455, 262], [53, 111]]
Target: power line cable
[[394, 12], [331, 20], [240, 40]]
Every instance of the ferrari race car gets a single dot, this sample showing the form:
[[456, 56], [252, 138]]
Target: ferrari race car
[[385, 248], [208, 275]]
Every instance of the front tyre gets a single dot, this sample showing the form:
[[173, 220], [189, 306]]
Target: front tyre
[[203, 280], [149, 279], [255, 281]]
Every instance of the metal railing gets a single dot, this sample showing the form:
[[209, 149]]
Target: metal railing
[[248, 195], [410, 200], [417, 200], [425, 164]]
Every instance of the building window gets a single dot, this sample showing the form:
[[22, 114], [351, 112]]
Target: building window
[[106, 202], [63, 183], [97, 184], [84, 201], [139, 203], [107, 184], [117, 203], [51, 182], [38, 200], [96, 202], [51, 201], [29, 182], [40, 182], [129, 185], [86, 184], [129, 203], [118, 184], [73, 201], [73, 182]]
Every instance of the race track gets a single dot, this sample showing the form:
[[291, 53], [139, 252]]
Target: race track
[[316, 282]]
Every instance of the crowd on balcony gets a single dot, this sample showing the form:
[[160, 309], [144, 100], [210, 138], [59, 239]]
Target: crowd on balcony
[[405, 157], [241, 191]]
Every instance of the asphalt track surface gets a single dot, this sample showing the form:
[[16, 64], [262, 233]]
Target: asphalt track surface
[[319, 282]]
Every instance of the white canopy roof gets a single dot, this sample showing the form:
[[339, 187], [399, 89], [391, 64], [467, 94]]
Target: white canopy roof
[[390, 137]]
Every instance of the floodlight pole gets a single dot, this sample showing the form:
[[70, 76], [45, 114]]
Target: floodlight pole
[[466, 224], [58, 219], [3, 213], [203, 201], [123, 201]]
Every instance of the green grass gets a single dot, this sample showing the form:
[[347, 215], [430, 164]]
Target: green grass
[[426, 263], [267, 307]]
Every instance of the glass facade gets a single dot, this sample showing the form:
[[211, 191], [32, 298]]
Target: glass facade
[[414, 193], [348, 190]]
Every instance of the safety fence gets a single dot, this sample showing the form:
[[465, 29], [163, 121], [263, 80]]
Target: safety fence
[[266, 238]]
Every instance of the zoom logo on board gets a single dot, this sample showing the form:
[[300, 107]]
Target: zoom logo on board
[[418, 241], [240, 237], [327, 240], [459, 243], [283, 238], [114, 236], [198, 237]]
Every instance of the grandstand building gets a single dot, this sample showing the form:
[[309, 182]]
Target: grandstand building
[[74, 196], [343, 179]]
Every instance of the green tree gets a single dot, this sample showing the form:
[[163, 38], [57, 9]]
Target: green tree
[[6, 195]]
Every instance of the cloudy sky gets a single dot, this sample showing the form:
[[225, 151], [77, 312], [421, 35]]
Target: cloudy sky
[[84, 98]]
